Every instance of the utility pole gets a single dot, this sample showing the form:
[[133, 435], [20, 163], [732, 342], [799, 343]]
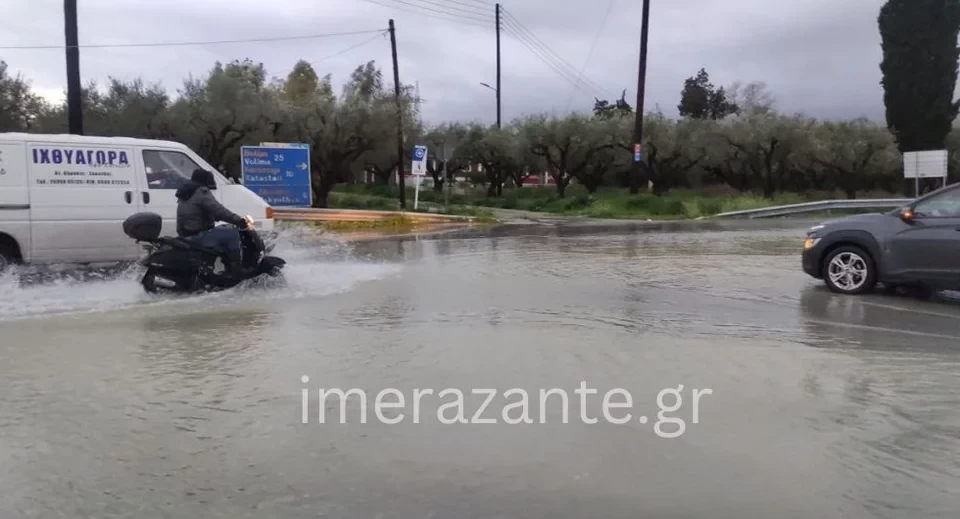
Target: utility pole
[[497, 10], [401, 181], [445, 176], [74, 98], [641, 84]]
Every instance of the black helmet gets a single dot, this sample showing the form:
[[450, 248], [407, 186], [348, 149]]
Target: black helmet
[[204, 178]]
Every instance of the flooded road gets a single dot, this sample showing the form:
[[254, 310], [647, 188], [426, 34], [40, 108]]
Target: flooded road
[[796, 403]]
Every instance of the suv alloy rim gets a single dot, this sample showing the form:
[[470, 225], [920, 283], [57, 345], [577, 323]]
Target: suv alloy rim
[[848, 271]]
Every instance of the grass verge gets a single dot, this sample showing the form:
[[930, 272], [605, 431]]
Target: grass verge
[[611, 203], [369, 197]]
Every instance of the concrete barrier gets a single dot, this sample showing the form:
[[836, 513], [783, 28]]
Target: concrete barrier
[[362, 215]]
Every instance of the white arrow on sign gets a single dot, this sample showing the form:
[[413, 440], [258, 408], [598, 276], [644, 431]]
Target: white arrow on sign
[[303, 165]]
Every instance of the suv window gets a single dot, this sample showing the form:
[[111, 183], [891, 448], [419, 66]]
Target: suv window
[[944, 205], [167, 169]]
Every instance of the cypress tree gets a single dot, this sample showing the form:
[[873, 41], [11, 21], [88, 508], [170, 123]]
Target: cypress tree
[[919, 68]]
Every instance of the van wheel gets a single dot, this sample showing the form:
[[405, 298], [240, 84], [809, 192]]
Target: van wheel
[[8, 257], [849, 270]]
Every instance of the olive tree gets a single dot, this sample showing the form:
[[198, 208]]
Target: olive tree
[[445, 145], [569, 146], [756, 150], [339, 130], [355, 129], [214, 115], [20, 107], [853, 154], [499, 151], [671, 149]]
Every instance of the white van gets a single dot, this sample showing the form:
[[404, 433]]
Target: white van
[[63, 198]]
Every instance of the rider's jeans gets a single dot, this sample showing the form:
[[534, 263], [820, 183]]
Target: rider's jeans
[[221, 238]]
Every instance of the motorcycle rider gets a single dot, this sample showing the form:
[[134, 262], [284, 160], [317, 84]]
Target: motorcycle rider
[[198, 211]]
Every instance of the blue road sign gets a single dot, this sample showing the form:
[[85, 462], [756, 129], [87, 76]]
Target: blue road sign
[[419, 152], [418, 166], [278, 174]]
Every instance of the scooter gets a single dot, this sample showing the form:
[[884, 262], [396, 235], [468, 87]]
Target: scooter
[[179, 265]]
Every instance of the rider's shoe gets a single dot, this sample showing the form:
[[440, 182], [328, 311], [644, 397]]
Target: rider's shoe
[[235, 265]]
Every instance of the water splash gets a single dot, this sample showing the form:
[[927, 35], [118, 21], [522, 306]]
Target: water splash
[[317, 265]]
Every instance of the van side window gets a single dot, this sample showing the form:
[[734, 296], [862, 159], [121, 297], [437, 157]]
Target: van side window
[[167, 169]]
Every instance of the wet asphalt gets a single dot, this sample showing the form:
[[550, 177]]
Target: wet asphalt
[[811, 404]]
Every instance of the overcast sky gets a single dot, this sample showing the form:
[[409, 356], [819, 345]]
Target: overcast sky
[[817, 56]]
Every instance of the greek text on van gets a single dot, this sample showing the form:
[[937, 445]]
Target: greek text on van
[[98, 158]]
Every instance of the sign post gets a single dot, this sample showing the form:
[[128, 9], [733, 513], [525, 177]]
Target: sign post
[[278, 172], [446, 153], [924, 164], [636, 153], [419, 169]]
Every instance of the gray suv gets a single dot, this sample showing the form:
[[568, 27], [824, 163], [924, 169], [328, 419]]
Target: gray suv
[[916, 246]]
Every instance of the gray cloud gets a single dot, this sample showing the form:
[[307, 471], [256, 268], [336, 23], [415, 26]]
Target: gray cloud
[[817, 56]]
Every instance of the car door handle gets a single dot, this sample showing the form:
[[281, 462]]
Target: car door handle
[[146, 197], [128, 196]]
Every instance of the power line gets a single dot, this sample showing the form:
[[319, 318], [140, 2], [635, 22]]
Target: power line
[[571, 70], [352, 47], [546, 57], [593, 46], [560, 72], [564, 74], [193, 43], [508, 29], [485, 3], [434, 13], [467, 8], [585, 85], [486, 6]]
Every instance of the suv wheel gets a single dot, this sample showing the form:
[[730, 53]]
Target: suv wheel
[[849, 270]]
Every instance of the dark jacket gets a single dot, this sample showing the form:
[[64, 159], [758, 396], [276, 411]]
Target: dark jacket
[[198, 210]]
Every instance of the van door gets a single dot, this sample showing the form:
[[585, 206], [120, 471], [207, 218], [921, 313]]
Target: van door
[[163, 172], [80, 194]]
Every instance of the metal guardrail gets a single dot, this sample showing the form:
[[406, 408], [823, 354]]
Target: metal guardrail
[[822, 205]]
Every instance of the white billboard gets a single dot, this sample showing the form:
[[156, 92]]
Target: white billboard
[[925, 164]]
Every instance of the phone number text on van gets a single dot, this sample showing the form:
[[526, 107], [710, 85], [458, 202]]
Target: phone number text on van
[[64, 182]]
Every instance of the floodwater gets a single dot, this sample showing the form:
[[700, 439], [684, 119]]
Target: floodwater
[[796, 403]]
